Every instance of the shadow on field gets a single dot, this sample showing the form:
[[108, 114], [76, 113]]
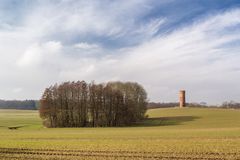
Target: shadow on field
[[13, 127], [165, 121]]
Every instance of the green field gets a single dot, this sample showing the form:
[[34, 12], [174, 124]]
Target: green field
[[189, 133]]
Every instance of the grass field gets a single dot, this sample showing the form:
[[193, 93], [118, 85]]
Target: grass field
[[189, 133]]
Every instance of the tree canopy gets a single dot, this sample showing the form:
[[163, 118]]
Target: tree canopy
[[79, 104]]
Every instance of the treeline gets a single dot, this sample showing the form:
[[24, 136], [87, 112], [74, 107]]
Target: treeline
[[152, 105], [79, 104], [231, 104], [17, 104], [226, 105]]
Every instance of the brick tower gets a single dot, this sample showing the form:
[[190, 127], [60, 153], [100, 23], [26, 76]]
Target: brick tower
[[182, 100]]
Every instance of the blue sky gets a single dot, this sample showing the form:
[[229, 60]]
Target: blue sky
[[164, 45]]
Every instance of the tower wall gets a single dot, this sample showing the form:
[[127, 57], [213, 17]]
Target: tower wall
[[182, 100]]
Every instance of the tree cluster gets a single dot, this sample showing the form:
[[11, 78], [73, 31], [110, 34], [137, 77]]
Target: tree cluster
[[17, 104], [79, 104]]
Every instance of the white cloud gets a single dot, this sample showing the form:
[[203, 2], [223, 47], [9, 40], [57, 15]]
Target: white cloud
[[32, 56], [37, 53], [112, 19], [17, 90], [152, 27], [86, 46]]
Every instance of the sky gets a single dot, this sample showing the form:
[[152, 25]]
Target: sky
[[164, 45]]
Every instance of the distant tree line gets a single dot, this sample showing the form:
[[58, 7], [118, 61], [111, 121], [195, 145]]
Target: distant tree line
[[226, 105], [198, 105], [79, 104], [17, 104], [231, 104], [152, 105]]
